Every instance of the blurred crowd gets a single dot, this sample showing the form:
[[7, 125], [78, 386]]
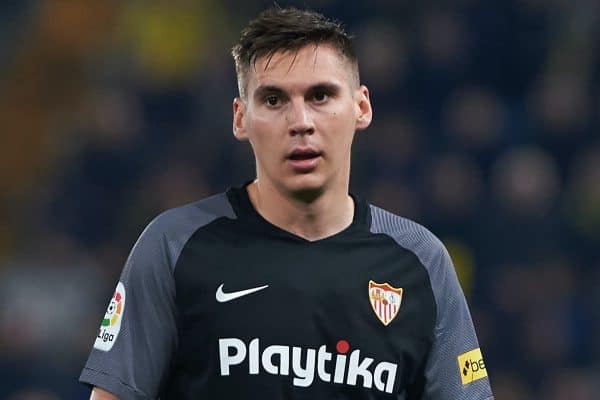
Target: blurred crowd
[[486, 120]]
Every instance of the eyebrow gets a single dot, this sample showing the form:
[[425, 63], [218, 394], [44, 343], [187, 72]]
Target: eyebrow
[[264, 90], [329, 87]]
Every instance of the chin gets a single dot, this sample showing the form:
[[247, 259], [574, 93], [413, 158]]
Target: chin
[[307, 188]]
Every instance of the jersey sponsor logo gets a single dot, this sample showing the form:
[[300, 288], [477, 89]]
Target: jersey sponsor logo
[[223, 297], [111, 323], [385, 300], [471, 366], [306, 364]]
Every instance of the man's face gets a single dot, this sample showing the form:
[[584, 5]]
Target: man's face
[[300, 115]]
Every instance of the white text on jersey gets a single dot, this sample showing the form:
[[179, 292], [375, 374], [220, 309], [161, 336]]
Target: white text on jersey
[[276, 360]]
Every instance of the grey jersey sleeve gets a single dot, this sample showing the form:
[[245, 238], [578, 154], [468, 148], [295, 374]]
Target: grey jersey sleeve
[[137, 338], [455, 368]]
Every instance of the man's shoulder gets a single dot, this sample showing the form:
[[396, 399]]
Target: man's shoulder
[[164, 238], [192, 216], [407, 233], [387, 222]]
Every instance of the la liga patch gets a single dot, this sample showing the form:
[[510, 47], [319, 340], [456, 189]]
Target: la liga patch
[[111, 323]]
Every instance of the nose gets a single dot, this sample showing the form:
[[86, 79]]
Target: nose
[[299, 119]]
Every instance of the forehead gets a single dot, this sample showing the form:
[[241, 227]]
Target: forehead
[[309, 64]]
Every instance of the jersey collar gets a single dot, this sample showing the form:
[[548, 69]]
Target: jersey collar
[[240, 201]]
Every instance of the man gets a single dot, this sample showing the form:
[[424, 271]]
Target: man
[[288, 287]]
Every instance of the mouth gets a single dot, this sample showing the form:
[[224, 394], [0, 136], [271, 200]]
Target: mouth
[[304, 154], [304, 160]]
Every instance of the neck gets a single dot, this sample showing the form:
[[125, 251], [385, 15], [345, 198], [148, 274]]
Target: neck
[[314, 219]]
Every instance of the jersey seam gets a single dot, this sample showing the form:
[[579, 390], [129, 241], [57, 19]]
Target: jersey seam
[[422, 265], [373, 213], [176, 260]]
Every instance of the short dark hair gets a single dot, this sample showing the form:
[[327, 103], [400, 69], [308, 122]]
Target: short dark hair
[[288, 29]]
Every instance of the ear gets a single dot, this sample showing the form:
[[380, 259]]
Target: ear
[[363, 106], [239, 119]]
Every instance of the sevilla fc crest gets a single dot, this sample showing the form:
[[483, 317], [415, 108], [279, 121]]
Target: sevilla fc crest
[[385, 300]]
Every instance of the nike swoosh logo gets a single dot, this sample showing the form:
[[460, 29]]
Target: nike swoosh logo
[[223, 297]]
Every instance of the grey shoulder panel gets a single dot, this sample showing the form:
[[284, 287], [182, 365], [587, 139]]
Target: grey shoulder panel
[[408, 234], [138, 336], [175, 226], [454, 332]]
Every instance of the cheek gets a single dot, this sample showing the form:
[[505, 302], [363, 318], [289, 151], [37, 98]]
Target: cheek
[[264, 136], [340, 127], [343, 115], [261, 124]]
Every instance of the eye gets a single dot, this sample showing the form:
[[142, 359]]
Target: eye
[[272, 100], [320, 96]]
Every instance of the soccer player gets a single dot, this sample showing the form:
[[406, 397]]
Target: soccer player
[[288, 287]]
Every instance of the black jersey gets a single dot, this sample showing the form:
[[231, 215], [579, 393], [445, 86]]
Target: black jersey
[[215, 302]]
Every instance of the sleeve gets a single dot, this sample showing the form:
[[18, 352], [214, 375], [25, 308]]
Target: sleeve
[[138, 335], [455, 367]]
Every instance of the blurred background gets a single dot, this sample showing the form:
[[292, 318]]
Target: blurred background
[[485, 130]]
